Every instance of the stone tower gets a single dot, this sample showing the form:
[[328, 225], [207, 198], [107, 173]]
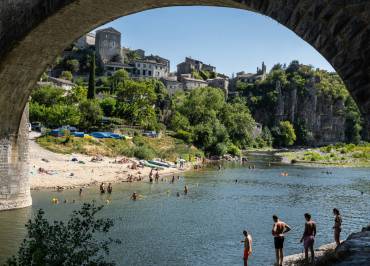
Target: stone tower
[[108, 44]]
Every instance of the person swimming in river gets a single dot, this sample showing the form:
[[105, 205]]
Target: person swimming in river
[[278, 230], [102, 188], [247, 246], [337, 226], [80, 192], [308, 237], [173, 179], [109, 188], [186, 190], [134, 196]]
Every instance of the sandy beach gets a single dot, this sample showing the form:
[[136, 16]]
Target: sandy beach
[[60, 170]]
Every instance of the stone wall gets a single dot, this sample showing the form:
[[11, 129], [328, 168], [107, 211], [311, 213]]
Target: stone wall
[[14, 168]]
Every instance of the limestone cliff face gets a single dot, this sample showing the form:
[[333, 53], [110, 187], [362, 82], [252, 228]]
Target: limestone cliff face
[[322, 115]]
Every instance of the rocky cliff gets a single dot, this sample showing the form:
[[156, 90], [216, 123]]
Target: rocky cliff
[[316, 102]]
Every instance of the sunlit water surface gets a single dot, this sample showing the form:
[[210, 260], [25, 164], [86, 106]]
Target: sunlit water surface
[[205, 227]]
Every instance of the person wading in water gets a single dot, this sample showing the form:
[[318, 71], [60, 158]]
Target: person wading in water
[[102, 188], [109, 188], [278, 230], [247, 247], [308, 237], [337, 226]]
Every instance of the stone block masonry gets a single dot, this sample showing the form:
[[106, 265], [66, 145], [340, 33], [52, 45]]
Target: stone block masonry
[[14, 168]]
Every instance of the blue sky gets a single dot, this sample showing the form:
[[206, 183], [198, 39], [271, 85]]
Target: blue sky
[[230, 39]]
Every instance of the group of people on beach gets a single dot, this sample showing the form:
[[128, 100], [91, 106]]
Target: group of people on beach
[[280, 228]]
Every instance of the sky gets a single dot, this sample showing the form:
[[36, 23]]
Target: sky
[[233, 40]]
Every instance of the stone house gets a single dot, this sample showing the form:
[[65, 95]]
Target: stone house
[[145, 68], [86, 41], [190, 83], [108, 44], [219, 82], [190, 65]]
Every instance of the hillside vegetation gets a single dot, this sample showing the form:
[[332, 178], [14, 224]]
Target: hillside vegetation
[[141, 147]]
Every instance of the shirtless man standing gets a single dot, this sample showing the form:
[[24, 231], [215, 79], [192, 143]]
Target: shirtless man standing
[[278, 230], [308, 237], [247, 247]]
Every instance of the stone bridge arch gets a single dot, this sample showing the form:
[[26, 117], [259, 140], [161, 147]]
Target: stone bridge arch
[[34, 32]]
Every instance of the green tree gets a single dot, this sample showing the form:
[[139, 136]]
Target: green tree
[[284, 134], [117, 79], [91, 88], [66, 243], [238, 122], [135, 103], [91, 114], [47, 95], [353, 122], [108, 105], [66, 75], [72, 65]]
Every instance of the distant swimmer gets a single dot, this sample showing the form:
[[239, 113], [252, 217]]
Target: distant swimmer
[[134, 196], [173, 179], [186, 189], [236, 181], [80, 192], [178, 194], [157, 176], [109, 188], [247, 247], [54, 201], [102, 188], [308, 237]]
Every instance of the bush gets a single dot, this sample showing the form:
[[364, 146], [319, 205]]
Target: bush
[[144, 152], [108, 105], [184, 135], [220, 149], [233, 150], [70, 243]]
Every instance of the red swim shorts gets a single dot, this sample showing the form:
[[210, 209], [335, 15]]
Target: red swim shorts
[[246, 254]]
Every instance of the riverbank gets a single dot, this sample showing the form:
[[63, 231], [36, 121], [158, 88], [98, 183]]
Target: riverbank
[[353, 251], [49, 170], [340, 155]]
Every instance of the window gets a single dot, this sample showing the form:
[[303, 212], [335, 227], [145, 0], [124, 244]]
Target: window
[[144, 72], [144, 65], [138, 64], [149, 73]]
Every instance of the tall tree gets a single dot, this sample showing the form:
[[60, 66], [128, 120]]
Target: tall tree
[[91, 89]]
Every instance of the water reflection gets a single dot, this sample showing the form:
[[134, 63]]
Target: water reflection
[[12, 230]]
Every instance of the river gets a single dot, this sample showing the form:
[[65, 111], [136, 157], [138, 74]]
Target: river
[[205, 227]]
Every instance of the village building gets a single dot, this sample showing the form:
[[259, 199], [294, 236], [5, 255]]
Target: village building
[[108, 45], [145, 68], [219, 82], [172, 84], [190, 65], [85, 41], [248, 78], [190, 83]]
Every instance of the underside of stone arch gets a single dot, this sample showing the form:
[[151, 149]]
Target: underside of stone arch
[[34, 32]]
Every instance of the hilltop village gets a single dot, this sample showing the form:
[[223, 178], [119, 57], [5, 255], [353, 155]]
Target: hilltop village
[[293, 104]]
